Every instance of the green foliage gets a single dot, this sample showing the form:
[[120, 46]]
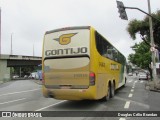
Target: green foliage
[[134, 27], [142, 56], [142, 27]]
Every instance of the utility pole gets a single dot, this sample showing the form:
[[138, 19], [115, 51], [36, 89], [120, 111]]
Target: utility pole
[[123, 15], [33, 50], [152, 42], [11, 44], [121, 9]]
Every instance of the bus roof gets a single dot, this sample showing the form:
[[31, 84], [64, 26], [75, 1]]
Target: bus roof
[[68, 28], [75, 28]]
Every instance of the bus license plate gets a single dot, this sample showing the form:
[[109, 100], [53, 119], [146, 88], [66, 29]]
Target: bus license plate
[[65, 87]]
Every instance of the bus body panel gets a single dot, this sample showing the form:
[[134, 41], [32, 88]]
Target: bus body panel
[[66, 58], [70, 94], [64, 78], [106, 70], [66, 64]]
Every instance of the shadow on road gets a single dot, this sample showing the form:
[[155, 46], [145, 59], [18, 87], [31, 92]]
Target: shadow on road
[[78, 105]]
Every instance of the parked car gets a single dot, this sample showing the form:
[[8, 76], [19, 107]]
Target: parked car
[[143, 76], [130, 74], [25, 76], [15, 76], [34, 75]]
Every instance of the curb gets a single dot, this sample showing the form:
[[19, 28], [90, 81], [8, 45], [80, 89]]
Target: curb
[[155, 90], [150, 85], [38, 82]]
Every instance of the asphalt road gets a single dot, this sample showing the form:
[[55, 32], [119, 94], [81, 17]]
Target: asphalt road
[[25, 95]]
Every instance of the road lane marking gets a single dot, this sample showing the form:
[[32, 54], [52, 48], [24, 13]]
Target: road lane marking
[[50, 105], [141, 81], [135, 81], [135, 102], [122, 119], [19, 92], [130, 81], [126, 106], [12, 101], [133, 87], [132, 90], [130, 95]]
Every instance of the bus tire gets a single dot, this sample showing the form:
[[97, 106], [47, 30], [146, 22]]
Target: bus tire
[[109, 93], [125, 82], [107, 97], [112, 90]]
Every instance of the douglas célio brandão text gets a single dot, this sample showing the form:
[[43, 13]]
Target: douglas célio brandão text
[[137, 114]]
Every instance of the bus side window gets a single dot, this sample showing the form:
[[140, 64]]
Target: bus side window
[[109, 53], [115, 55]]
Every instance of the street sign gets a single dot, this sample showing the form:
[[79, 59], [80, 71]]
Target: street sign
[[152, 49]]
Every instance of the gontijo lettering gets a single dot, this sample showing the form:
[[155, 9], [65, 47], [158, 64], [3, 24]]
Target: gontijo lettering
[[66, 51]]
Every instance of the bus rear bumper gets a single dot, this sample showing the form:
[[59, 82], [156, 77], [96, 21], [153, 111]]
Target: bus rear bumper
[[70, 94]]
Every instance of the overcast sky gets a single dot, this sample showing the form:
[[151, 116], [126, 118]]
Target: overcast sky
[[27, 21]]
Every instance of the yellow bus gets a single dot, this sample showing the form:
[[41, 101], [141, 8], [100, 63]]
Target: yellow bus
[[79, 63]]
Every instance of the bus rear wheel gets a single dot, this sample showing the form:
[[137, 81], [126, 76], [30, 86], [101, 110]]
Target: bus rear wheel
[[109, 93], [107, 97], [112, 90]]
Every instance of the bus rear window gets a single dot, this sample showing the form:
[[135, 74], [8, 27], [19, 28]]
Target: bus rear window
[[67, 63]]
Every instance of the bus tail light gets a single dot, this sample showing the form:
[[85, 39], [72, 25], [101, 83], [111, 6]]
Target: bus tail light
[[43, 81], [92, 78]]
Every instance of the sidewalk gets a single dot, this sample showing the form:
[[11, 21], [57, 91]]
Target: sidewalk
[[36, 81], [153, 85], [1, 81]]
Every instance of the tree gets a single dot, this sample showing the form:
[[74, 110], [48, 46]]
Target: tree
[[142, 27], [142, 56]]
